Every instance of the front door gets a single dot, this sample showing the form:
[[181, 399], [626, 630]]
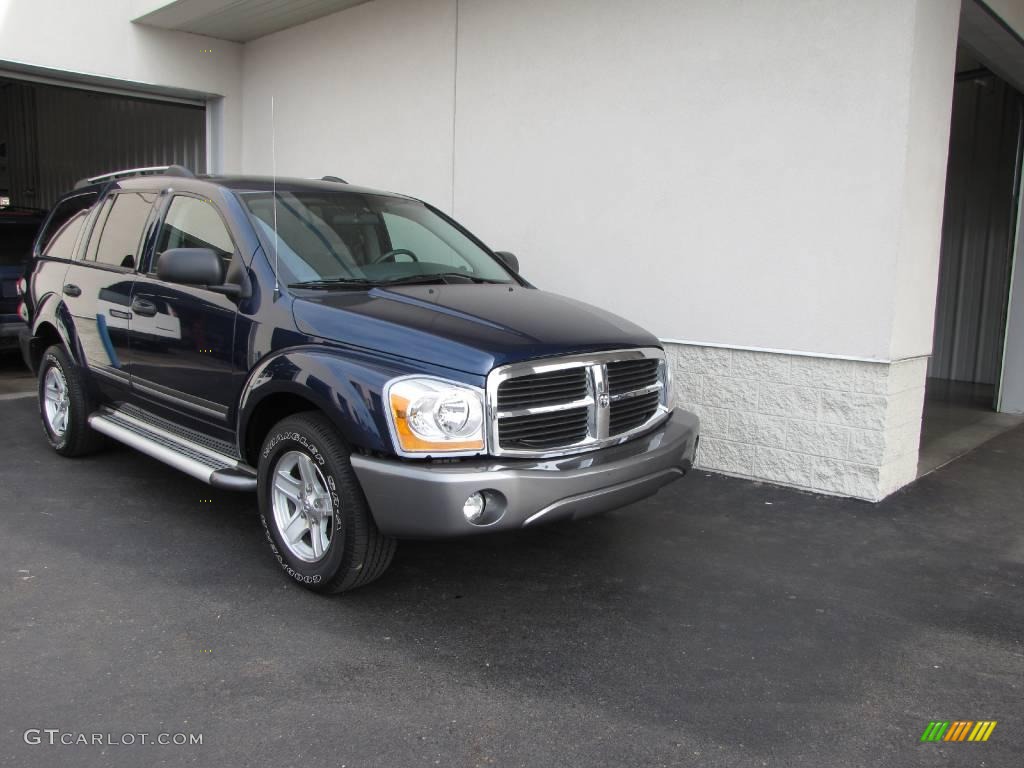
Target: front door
[[182, 336]]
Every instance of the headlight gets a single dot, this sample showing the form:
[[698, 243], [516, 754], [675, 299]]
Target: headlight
[[430, 416]]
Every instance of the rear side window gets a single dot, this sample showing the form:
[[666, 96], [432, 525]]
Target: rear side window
[[61, 233], [117, 235]]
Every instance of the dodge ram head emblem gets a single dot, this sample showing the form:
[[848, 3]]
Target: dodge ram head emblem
[[603, 400]]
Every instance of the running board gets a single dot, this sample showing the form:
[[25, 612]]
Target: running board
[[176, 450]]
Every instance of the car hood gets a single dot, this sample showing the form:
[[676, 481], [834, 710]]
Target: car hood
[[469, 327]]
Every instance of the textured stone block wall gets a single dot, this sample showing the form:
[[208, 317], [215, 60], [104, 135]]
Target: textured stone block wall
[[836, 426]]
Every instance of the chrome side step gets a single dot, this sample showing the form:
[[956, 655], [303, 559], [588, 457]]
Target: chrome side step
[[198, 461]]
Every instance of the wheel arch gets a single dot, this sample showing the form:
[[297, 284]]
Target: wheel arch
[[53, 324], [345, 388], [44, 337], [267, 412]]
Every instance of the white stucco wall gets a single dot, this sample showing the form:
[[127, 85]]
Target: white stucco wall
[[98, 38], [752, 156], [366, 94], [743, 174]]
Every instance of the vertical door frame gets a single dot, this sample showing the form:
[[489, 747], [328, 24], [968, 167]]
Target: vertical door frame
[[1010, 392]]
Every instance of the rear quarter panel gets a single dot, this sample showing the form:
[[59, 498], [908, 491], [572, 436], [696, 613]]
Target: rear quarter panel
[[48, 308]]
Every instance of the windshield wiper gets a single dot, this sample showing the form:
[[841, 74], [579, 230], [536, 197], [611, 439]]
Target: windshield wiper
[[360, 282], [334, 282], [437, 277]]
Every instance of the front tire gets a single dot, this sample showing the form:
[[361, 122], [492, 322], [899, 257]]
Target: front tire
[[65, 405], [313, 510]]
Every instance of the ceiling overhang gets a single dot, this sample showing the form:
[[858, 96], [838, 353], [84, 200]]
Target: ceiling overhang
[[236, 20], [992, 41]]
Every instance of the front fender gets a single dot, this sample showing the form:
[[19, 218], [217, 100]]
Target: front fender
[[346, 384]]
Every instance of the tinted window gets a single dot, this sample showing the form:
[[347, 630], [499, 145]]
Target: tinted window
[[195, 223], [61, 233], [117, 236]]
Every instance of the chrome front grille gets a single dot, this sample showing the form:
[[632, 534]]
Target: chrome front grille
[[632, 412], [629, 375], [542, 431], [539, 389], [567, 405]]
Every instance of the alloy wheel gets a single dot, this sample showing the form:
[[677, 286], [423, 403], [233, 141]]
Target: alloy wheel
[[303, 512], [56, 401]]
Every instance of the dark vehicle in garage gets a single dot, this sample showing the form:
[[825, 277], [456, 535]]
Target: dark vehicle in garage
[[359, 360], [18, 230]]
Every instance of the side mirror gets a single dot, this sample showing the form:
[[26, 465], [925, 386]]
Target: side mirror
[[509, 260], [195, 266], [190, 266]]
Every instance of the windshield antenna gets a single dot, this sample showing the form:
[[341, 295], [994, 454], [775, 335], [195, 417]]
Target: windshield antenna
[[273, 182]]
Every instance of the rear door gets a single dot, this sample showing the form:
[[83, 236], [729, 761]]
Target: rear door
[[182, 336], [97, 287]]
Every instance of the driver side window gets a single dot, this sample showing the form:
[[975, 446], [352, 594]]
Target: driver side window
[[194, 223]]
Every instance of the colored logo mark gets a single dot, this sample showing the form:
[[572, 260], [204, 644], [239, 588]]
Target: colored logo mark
[[958, 730]]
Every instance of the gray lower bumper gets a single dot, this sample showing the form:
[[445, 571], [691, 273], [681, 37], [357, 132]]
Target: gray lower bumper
[[425, 500]]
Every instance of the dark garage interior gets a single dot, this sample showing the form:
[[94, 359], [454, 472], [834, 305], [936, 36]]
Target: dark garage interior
[[51, 136]]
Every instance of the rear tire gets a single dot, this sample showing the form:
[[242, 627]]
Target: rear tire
[[313, 510], [65, 405]]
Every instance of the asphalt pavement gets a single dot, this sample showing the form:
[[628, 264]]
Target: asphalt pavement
[[720, 623], [15, 377]]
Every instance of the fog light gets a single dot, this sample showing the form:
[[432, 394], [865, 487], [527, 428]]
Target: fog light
[[473, 509]]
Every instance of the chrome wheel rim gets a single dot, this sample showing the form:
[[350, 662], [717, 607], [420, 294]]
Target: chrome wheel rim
[[303, 512], [56, 401]]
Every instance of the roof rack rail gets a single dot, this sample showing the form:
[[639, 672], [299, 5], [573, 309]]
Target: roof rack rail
[[163, 170], [336, 179]]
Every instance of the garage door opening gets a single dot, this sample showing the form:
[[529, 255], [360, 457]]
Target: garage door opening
[[976, 265], [52, 135]]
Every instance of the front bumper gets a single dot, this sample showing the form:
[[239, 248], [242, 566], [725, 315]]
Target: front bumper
[[425, 500]]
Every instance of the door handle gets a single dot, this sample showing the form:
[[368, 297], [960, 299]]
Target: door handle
[[143, 307], [70, 289]]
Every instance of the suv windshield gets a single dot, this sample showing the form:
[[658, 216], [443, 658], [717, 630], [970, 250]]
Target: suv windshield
[[326, 237]]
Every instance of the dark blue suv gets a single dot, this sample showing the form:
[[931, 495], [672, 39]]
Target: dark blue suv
[[359, 360]]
